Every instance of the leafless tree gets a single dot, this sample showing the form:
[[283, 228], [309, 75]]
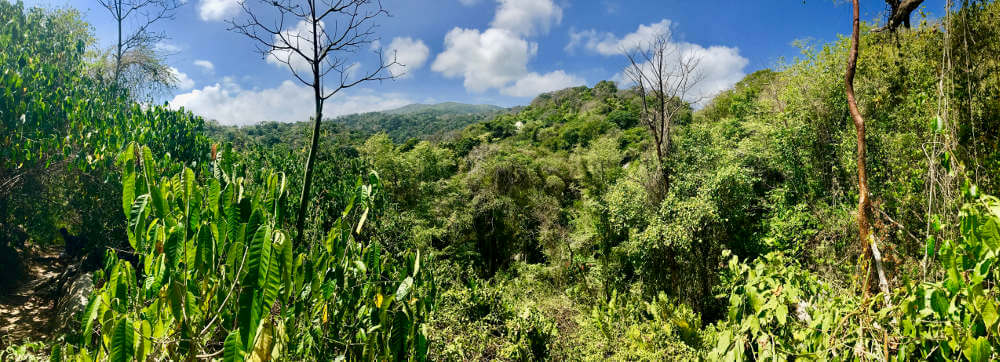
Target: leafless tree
[[315, 38], [135, 47], [665, 76]]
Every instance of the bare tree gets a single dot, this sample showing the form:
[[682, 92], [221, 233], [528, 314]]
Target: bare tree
[[867, 241], [326, 37], [135, 48], [899, 13], [665, 76]]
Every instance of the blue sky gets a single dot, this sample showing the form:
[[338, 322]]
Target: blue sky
[[501, 52]]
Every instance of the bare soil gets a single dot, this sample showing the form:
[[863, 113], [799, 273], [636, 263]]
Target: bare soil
[[27, 311]]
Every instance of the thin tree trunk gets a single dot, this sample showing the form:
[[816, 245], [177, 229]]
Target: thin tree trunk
[[864, 204], [118, 52], [307, 179], [864, 200]]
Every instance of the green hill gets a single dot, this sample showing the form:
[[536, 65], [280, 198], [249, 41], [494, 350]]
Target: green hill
[[445, 108], [423, 121]]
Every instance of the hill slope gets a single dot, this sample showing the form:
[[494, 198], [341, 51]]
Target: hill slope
[[422, 121], [445, 108]]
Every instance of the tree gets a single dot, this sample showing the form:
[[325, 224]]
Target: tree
[[143, 74], [664, 75], [899, 13], [315, 47], [864, 198], [134, 51]]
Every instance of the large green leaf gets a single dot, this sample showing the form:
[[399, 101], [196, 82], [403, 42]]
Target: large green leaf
[[128, 188], [89, 315], [990, 234], [206, 250], [123, 341], [233, 349], [259, 258], [977, 350], [404, 289], [172, 247], [248, 315], [272, 282]]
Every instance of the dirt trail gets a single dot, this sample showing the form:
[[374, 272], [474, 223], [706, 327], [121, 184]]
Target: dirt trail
[[28, 311]]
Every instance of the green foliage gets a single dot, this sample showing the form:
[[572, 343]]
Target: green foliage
[[214, 270], [547, 222], [778, 310], [419, 121], [26, 351], [61, 130]]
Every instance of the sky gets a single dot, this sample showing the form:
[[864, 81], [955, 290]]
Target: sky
[[502, 52]]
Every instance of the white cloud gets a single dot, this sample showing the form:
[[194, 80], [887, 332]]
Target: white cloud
[[719, 67], [534, 84], [299, 37], [205, 65], [229, 103], [469, 2], [527, 17], [214, 10], [497, 58], [490, 59], [166, 47], [183, 81], [412, 54], [609, 44]]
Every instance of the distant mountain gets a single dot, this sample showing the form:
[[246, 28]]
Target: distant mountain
[[423, 121], [445, 108]]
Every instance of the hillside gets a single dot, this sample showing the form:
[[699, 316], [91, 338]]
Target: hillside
[[421, 121], [445, 108], [415, 121]]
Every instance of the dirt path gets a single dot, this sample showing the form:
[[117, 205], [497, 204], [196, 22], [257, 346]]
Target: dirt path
[[28, 312]]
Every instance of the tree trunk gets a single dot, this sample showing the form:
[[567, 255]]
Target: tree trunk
[[899, 13], [864, 203], [307, 178], [118, 52], [864, 200]]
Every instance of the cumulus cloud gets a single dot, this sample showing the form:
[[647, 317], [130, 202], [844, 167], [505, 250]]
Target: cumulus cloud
[[534, 84], [300, 37], [527, 17], [497, 58], [205, 65], [183, 81], [719, 67], [410, 53], [609, 44], [489, 59], [230, 104], [215, 10]]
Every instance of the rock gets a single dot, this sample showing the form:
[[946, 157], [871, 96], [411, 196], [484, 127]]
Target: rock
[[73, 301], [802, 312]]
